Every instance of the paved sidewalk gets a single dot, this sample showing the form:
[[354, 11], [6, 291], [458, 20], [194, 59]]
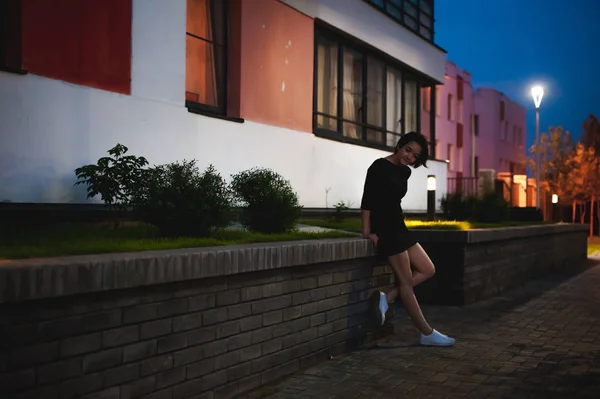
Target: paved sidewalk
[[541, 340]]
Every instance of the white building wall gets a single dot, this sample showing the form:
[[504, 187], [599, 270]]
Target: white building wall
[[48, 128]]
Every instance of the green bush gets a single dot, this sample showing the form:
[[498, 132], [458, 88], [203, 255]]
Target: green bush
[[182, 202], [269, 204], [341, 210], [115, 178], [456, 206], [491, 208]]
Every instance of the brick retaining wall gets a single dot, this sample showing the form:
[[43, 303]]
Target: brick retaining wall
[[216, 335], [212, 322], [479, 264]]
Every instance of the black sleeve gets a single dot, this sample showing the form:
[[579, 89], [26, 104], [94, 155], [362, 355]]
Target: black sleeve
[[372, 187]]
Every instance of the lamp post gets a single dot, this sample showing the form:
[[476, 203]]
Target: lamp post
[[537, 92], [431, 198], [554, 207]]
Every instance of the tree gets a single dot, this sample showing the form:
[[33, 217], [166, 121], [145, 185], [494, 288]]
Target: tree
[[590, 136], [556, 162], [582, 178]]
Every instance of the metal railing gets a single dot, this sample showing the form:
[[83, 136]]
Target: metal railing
[[465, 185]]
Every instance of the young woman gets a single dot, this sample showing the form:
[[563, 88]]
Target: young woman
[[383, 223]]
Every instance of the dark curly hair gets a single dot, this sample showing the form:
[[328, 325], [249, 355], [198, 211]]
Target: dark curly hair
[[420, 140]]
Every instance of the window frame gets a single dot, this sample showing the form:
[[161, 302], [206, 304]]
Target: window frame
[[325, 34], [388, 7], [222, 84]]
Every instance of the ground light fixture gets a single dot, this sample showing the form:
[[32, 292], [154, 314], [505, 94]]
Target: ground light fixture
[[431, 198]]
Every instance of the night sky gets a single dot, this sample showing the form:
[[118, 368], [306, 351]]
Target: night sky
[[512, 44]]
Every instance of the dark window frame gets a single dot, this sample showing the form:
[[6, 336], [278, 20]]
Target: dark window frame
[[222, 81], [11, 57], [396, 10], [323, 34]]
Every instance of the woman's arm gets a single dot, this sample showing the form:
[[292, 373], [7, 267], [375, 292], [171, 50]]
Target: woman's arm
[[366, 222], [369, 199]]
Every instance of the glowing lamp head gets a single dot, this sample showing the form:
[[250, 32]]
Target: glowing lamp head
[[537, 92], [431, 183]]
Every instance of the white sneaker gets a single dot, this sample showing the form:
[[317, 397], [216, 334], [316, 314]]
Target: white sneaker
[[436, 339], [383, 306]]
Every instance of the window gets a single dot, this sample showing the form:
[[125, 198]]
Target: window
[[438, 102], [450, 158], [504, 131], [206, 39], [475, 125], [501, 111], [450, 108], [416, 15], [10, 35], [426, 97], [460, 111], [360, 97]]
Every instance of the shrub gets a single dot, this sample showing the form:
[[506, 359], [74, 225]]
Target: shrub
[[269, 204], [456, 206], [181, 201], [115, 178], [341, 210], [491, 208]]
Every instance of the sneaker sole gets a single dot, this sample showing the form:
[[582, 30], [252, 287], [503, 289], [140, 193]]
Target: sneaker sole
[[376, 316], [439, 345]]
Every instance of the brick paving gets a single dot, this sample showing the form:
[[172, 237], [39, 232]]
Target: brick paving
[[541, 340]]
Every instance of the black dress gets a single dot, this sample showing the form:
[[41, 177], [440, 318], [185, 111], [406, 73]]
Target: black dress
[[385, 186]]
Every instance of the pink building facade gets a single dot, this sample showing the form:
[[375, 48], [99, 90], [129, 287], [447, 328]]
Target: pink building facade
[[501, 132], [477, 129], [454, 128]]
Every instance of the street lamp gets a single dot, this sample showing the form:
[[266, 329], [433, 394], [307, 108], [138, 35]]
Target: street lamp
[[537, 92], [431, 198]]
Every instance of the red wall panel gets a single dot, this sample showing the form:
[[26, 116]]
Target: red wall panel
[[86, 42]]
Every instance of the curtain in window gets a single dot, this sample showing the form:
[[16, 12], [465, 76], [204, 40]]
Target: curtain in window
[[394, 106], [201, 75], [327, 87], [375, 100], [352, 94], [410, 106]]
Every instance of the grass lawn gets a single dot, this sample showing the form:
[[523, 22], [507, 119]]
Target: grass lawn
[[98, 239], [593, 245], [356, 225]]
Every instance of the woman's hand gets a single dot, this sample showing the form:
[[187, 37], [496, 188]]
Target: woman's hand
[[372, 237]]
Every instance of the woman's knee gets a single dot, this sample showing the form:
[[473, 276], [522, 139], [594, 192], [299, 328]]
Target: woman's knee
[[421, 261], [430, 271]]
